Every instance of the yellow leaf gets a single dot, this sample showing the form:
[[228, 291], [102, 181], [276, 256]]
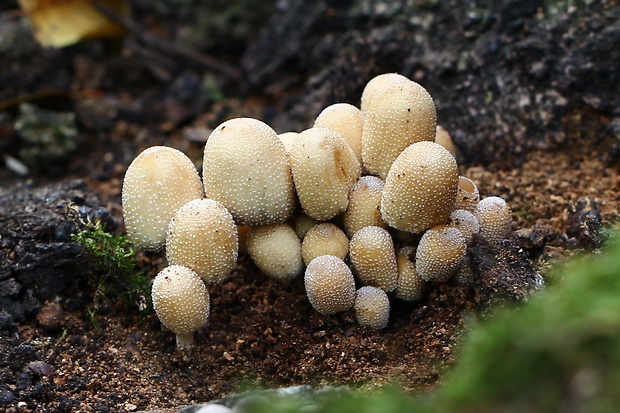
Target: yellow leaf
[[59, 23]]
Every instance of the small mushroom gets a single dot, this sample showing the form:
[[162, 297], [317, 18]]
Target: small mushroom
[[287, 139], [495, 219], [324, 169], [324, 238], [374, 85], [466, 222], [330, 285], [410, 285], [181, 302], [203, 237], [276, 250], [400, 114], [440, 253], [467, 196], [443, 138], [373, 258], [246, 169], [420, 189], [364, 205], [372, 307], [152, 194], [302, 224], [347, 120]]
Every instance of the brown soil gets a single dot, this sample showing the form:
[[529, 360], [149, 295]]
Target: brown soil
[[263, 332]]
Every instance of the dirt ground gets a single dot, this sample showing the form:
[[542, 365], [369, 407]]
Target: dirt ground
[[261, 332]]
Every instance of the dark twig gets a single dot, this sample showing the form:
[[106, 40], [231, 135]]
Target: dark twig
[[169, 48]]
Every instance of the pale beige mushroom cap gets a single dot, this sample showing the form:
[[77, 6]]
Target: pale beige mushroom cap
[[202, 236], [495, 218], [374, 258], [302, 224], [330, 285], [374, 85], [287, 139], [364, 205], [466, 222], [347, 120], [400, 114], [410, 285], [324, 238], [443, 138], [152, 194], [440, 253], [246, 169], [467, 196], [181, 302], [372, 307], [420, 189], [276, 250], [324, 169]]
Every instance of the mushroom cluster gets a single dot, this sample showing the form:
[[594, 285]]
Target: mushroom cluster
[[367, 203]]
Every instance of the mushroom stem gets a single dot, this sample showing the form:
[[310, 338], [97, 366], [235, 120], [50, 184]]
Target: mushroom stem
[[185, 341]]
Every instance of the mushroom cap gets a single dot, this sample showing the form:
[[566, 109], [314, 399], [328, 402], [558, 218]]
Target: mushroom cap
[[302, 224], [495, 218], [276, 250], [152, 194], [324, 238], [440, 253], [324, 169], [400, 114], [287, 139], [410, 285], [374, 85], [347, 120], [420, 189], [202, 236], [246, 169], [466, 222], [443, 138], [364, 205], [180, 299], [330, 285], [467, 196], [372, 307], [373, 258]]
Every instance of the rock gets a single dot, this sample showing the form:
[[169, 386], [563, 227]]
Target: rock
[[6, 397], [505, 273], [584, 223], [51, 317]]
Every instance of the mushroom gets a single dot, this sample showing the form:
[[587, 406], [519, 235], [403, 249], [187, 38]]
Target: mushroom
[[372, 307], [364, 205], [373, 258], [440, 253], [324, 169], [374, 85], [410, 285], [324, 238], [152, 194], [400, 114], [246, 169], [420, 189], [347, 120], [287, 139], [276, 250], [203, 237], [466, 222], [495, 219], [302, 224], [181, 302], [467, 196], [443, 138], [330, 285]]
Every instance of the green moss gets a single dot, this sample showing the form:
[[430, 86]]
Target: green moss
[[114, 274]]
